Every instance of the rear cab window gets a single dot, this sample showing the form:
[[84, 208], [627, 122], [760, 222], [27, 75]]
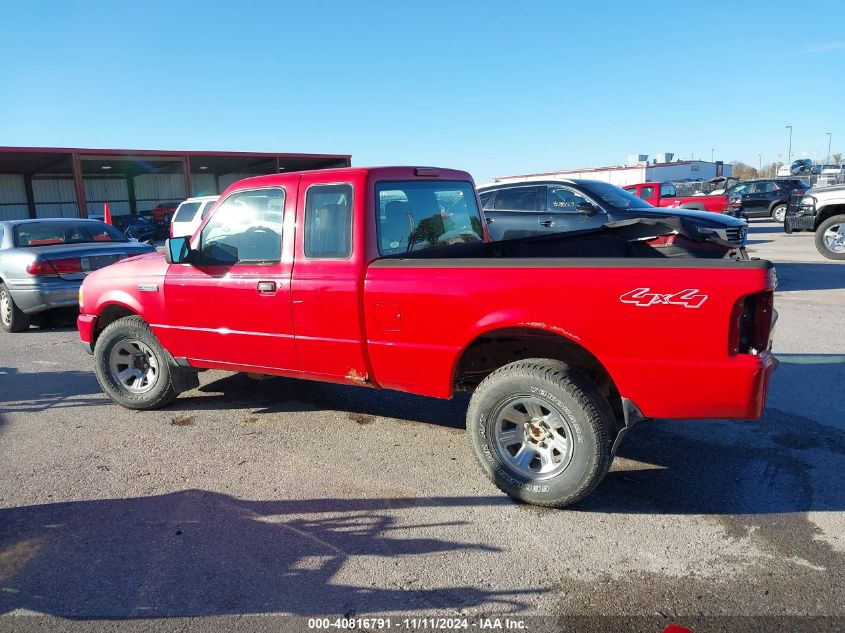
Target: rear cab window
[[416, 215]]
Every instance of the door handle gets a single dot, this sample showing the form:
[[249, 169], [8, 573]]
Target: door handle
[[547, 223], [266, 286]]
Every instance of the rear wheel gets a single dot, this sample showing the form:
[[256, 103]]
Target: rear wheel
[[12, 318], [541, 432], [779, 213], [830, 237], [132, 367]]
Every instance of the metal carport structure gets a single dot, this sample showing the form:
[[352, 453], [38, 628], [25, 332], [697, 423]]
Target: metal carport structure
[[74, 182]]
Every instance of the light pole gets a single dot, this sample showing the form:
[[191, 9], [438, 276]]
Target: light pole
[[829, 136], [760, 156], [711, 155], [789, 154]]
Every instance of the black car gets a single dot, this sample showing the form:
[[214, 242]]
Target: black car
[[135, 227], [521, 209], [762, 198]]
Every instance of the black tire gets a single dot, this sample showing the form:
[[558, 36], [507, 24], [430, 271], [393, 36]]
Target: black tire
[[13, 319], [825, 226], [131, 331], [779, 212], [787, 227], [555, 387]]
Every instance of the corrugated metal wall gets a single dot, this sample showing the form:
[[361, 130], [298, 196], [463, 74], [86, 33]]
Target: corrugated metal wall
[[12, 197], [150, 189], [228, 179], [54, 198], [112, 190], [204, 184]]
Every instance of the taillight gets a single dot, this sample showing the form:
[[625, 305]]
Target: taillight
[[67, 266], [40, 267], [751, 324]]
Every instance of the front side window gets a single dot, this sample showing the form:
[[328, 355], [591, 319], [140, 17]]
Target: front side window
[[646, 193], [245, 229], [521, 199], [328, 222], [417, 215], [564, 200]]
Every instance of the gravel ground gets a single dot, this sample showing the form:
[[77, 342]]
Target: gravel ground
[[250, 498]]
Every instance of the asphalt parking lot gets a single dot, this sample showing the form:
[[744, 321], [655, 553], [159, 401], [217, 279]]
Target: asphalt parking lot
[[287, 497]]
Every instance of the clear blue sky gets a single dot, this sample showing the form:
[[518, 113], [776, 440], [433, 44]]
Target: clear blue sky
[[493, 87]]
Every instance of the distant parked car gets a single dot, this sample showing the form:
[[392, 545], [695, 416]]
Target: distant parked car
[[521, 209], [762, 198], [190, 215], [43, 263], [801, 166], [134, 227], [822, 210], [162, 215]]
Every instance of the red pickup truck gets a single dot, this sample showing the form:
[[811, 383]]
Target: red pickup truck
[[386, 278], [664, 194]]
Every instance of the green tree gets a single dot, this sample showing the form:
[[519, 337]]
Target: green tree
[[837, 158]]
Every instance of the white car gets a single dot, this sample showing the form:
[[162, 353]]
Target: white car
[[190, 214]]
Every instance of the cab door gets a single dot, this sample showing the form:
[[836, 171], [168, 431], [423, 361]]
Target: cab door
[[231, 307], [327, 282]]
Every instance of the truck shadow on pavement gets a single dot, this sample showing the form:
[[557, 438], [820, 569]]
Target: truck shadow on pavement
[[31, 392], [196, 553], [285, 395], [782, 463], [792, 276]]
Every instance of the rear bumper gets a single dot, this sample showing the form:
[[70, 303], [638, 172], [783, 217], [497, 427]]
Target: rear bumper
[[86, 324], [36, 295]]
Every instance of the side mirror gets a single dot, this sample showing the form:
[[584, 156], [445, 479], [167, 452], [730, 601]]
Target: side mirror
[[585, 208], [177, 250]]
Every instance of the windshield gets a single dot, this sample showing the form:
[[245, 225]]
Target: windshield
[[47, 233], [613, 196], [415, 215]]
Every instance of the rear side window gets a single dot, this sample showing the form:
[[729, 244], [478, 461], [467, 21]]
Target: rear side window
[[485, 198], [328, 222], [416, 215], [668, 191], [186, 211], [207, 208], [521, 199]]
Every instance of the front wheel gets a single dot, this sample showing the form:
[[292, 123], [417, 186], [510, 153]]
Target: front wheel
[[779, 213], [132, 366], [12, 318], [541, 431], [830, 237]]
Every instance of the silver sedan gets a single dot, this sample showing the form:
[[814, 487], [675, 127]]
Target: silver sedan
[[43, 263]]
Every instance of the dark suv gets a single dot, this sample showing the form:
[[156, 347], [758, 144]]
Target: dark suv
[[521, 209], [762, 198]]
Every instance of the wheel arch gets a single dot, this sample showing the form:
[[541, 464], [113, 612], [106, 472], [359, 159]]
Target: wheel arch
[[500, 346], [828, 211], [111, 312]]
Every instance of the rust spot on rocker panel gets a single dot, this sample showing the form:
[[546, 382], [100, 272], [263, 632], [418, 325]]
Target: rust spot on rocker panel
[[353, 376]]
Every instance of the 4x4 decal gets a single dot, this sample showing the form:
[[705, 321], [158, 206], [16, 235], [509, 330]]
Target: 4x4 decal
[[644, 297]]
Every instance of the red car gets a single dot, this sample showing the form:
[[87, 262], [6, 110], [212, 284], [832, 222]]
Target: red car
[[664, 195], [386, 278]]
